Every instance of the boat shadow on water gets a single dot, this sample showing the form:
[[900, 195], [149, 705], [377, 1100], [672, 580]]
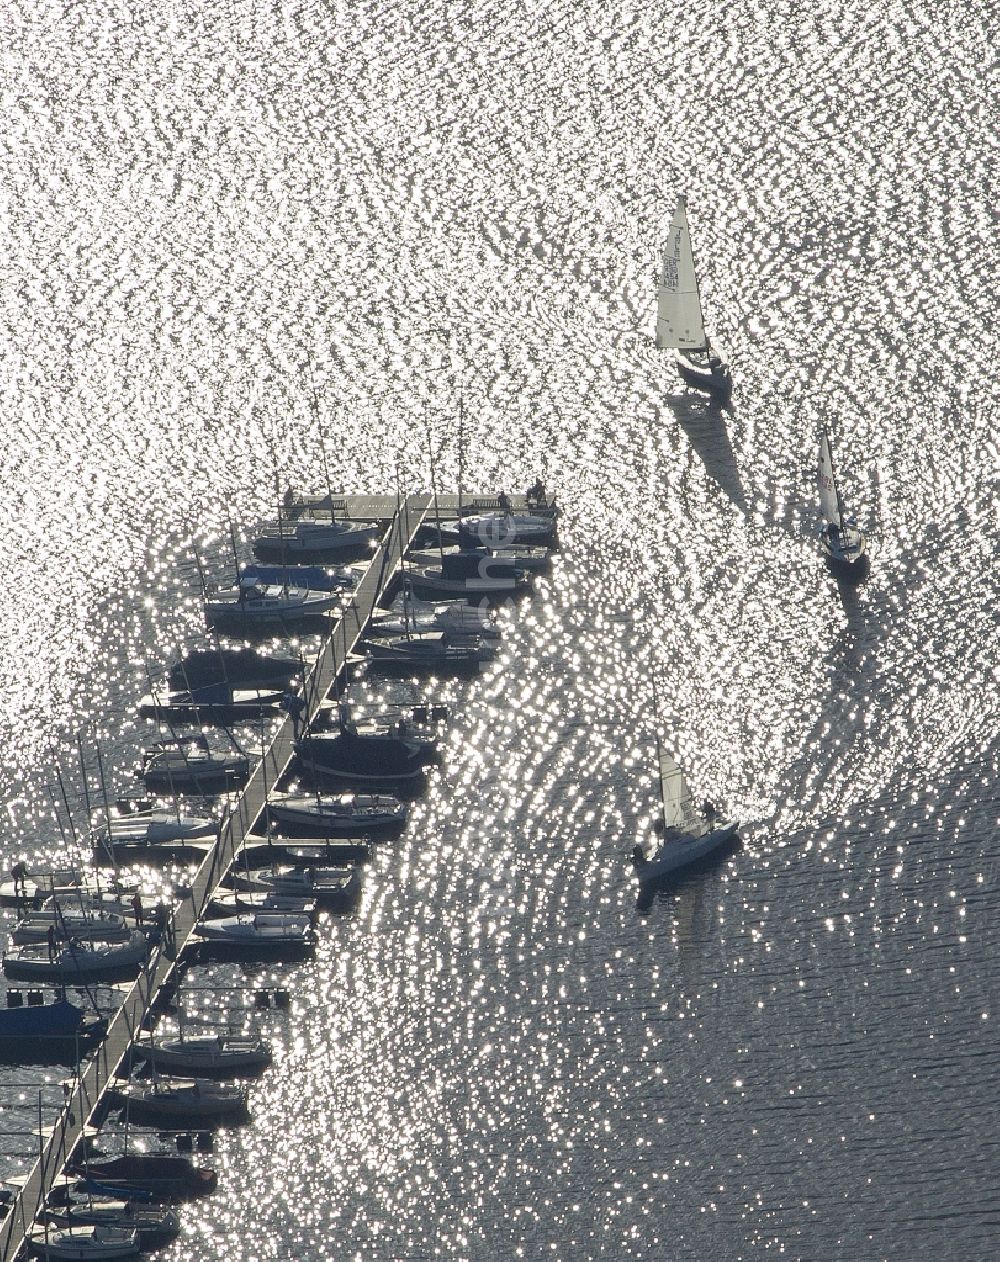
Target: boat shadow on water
[[287, 629], [704, 422], [689, 877], [202, 952]]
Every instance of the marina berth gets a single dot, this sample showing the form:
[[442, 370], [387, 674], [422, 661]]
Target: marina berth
[[40, 1031], [154, 1224], [407, 614], [267, 605], [253, 935], [140, 819], [227, 1055], [144, 850], [301, 851], [680, 323], [244, 668], [309, 540], [501, 529], [164, 1178], [235, 902], [439, 651], [368, 760], [77, 962], [464, 575], [213, 704], [317, 578], [257, 929], [346, 815], [341, 716], [332, 887], [67, 924], [196, 1100], [192, 766], [485, 560], [28, 887], [56, 907], [411, 620]]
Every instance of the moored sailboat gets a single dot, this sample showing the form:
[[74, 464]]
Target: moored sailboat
[[154, 1224], [224, 1054], [192, 766], [306, 540], [76, 961], [243, 668], [95, 1241], [680, 323], [266, 604], [46, 1031], [347, 815], [180, 1099]]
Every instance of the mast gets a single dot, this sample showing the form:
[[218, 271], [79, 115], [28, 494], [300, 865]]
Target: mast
[[437, 511], [236, 551], [398, 520], [461, 451], [322, 443]]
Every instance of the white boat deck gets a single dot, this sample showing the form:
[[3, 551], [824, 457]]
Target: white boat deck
[[86, 1093]]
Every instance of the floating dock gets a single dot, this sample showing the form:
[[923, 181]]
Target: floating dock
[[404, 520]]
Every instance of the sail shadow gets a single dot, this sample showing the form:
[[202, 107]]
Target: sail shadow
[[704, 423], [851, 604]]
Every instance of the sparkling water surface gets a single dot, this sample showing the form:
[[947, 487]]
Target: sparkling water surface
[[445, 210]]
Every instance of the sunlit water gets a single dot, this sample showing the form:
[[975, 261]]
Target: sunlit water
[[457, 207]]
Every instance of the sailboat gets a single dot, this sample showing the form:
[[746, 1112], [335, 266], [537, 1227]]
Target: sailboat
[[842, 543], [680, 324], [689, 835]]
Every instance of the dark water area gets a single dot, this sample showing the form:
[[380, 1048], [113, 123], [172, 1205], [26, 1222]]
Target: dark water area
[[458, 207]]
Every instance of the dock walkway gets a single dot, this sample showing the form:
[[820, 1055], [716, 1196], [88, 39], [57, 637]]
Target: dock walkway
[[85, 1098], [383, 507]]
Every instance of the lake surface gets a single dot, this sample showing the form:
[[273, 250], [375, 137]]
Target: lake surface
[[450, 210]]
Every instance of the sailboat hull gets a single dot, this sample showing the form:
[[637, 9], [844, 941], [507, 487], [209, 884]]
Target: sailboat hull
[[852, 568], [681, 853], [697, 372]]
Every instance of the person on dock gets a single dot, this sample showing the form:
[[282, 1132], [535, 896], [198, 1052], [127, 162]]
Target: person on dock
[[51, 939], [137, 909], [504, 499], [293, 705], [535, 494], [19, 871]]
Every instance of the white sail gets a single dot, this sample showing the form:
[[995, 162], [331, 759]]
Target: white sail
[[679, 321], [678, 807], [829, 498]]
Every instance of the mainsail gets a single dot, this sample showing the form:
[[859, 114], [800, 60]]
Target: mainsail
[[678, 807], [829, 496], [679, 322]]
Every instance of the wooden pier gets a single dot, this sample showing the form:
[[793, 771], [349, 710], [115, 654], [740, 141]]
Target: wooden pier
[[383, 507], [85, 1098]]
